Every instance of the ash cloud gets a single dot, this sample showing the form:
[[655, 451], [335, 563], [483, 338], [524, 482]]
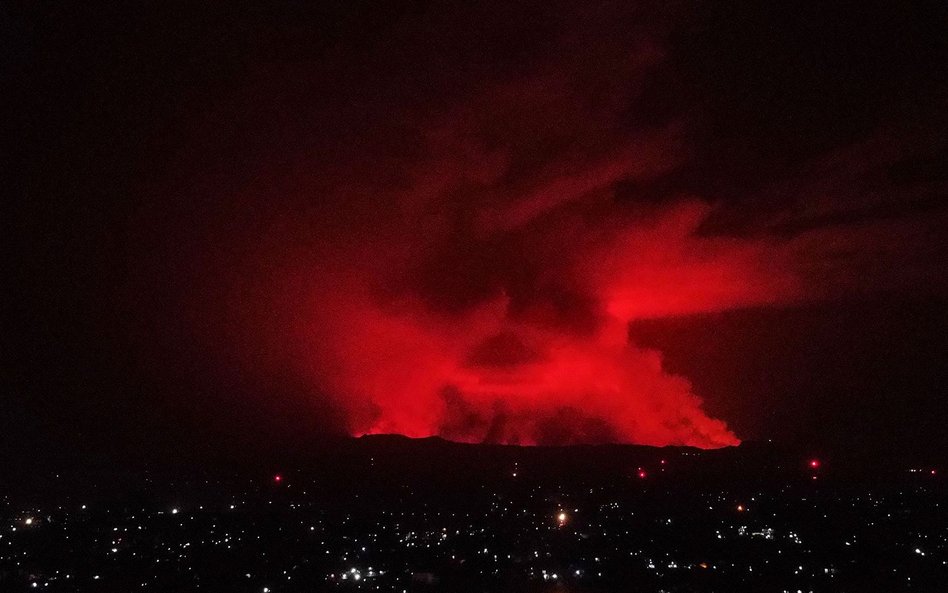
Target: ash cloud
[[458, 243], [489, 303]]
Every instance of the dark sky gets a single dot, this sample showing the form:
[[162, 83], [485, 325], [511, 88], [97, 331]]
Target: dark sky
[[669, 223]]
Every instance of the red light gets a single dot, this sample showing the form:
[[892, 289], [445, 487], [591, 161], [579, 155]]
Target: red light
[[933, 472], [278, 478], [642, 474], [814, 463]]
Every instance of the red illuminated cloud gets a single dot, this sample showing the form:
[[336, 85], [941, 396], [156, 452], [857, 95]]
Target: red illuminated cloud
[[514, 365], [487, 296], [477, 283], [484, 376]]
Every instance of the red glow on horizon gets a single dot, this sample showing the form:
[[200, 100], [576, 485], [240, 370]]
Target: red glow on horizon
[[480, 285], [534, 373]]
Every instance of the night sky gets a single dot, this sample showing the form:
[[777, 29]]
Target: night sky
[[234, 230]]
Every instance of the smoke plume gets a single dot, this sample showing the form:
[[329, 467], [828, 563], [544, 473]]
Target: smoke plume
[[466, 262]]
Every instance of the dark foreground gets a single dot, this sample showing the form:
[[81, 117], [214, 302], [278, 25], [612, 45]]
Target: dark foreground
[[387, 514]]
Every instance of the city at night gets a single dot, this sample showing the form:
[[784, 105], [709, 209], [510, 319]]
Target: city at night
[[474, 297]]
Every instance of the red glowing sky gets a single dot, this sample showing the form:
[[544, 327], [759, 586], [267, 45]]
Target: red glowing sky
[[503, 317], [443, 221], [551, 366], [473, 275]]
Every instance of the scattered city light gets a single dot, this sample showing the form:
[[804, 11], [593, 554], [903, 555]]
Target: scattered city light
[[464, 538]]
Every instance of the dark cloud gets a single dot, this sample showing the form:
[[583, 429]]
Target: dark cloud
[[439, 218]]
